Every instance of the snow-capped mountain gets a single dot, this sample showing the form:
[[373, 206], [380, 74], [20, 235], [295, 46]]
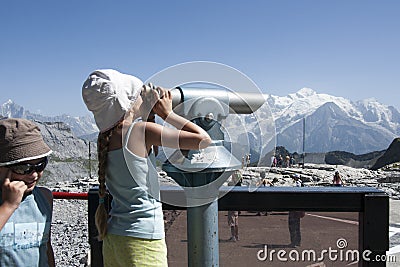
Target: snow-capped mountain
[[333, 123], [80, 126], [11, 110]]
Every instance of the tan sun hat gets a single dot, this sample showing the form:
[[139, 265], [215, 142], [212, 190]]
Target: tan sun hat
[[108, 94], [20, 140]]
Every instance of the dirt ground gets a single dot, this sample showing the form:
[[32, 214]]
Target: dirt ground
[[263, 238]]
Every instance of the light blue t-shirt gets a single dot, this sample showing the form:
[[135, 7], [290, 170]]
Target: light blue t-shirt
[[23, 239], [133, 182]]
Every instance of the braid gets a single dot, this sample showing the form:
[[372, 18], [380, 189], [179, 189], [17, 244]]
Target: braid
[[101, 215]]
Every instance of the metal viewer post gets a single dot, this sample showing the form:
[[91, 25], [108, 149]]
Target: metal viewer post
[[201, 173]]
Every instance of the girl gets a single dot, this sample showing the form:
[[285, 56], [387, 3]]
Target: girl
[[25, 209], [134, 233], [337, 179]]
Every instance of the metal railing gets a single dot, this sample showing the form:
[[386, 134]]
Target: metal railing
[[371, 204], [70, 195]]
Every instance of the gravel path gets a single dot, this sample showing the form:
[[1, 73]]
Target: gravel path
[[69, 232]]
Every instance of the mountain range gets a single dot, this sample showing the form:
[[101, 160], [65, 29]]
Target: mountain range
[[330, 123], [81, 126]]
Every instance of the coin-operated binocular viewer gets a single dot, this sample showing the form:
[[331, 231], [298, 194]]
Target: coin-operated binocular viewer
[[201, 172]]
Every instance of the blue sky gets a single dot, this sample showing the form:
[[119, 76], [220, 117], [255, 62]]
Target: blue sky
[[342, 48]]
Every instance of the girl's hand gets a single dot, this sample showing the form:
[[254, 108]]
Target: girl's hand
[[163, 105], [12, 191]]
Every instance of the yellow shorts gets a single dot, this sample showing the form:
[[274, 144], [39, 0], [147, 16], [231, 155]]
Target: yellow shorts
[[126, 251]]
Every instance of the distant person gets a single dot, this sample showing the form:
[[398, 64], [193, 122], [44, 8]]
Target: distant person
[[264, 181], [273, 161], [297, 180], [294, 218], [25, 208], [133, 231], [292, 161], [263, 174], [280, 161], [294, 227], [233, 223], [233, 215], [287, 161], [337, 179], [248, 156], [237, 178]]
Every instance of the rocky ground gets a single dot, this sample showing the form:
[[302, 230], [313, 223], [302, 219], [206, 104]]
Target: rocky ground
[[69, 232], [70, 220], [387, 179]]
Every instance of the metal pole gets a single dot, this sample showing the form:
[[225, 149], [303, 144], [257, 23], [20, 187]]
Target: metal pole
[[304, 140], [202, 231], [90, 162]]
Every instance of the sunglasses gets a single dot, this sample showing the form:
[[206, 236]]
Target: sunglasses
[[28, 168]]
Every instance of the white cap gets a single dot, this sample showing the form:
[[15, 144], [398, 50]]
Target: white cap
[[108, 94]]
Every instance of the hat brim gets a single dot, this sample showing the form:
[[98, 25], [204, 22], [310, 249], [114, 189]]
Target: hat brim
[[40, 152]]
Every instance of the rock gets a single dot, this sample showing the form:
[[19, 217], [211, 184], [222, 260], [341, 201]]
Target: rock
[[391, 155]]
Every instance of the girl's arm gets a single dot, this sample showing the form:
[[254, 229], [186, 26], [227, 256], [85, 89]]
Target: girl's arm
[[163, 108], [186, 134]]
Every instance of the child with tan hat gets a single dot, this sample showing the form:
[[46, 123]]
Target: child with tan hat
[[25, 209], [133, 231]]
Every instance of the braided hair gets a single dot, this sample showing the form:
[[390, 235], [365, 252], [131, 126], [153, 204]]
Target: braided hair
[[101, 215]]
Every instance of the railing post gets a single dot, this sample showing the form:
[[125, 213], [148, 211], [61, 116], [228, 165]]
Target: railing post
[[373, 229], [96, 255]]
